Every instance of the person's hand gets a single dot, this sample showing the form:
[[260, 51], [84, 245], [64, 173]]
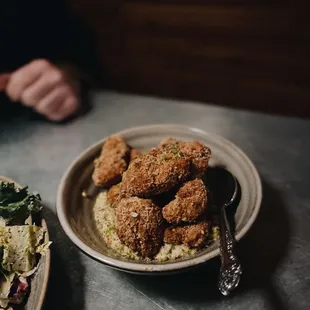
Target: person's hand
[[46, 88]]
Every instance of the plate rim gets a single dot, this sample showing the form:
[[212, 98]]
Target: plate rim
[[47, 255], [153, 268]]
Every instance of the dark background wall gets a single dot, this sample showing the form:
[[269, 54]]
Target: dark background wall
[[243, 53]]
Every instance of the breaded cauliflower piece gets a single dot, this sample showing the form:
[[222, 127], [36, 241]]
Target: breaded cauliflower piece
[[192, 235], [139, 225], [112, 162], [189, 204], [155, 172]]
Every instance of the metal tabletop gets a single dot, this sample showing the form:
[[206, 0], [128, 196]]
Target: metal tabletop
[[275, 254]]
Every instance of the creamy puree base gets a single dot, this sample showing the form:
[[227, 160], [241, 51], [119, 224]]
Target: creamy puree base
[[104, 216]]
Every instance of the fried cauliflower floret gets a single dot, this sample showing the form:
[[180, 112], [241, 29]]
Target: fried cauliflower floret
[[198, 153], [114, 194], [139, 225], [155, 172], [112, 162], [193, 235], [189, 204]]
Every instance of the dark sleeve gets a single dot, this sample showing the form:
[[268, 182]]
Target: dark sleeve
[[44, 29]]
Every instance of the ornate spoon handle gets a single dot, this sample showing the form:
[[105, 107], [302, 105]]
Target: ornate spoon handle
[[230, 271]]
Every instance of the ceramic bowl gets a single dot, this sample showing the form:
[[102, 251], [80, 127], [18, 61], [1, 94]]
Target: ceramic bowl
[[74, 211]]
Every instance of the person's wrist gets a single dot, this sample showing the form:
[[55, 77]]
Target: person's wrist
[[77, 77]]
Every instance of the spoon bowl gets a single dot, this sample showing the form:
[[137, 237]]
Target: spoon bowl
[[222, 185]]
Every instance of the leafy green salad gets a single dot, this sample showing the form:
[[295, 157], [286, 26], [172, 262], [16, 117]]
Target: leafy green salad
[[21, 243]]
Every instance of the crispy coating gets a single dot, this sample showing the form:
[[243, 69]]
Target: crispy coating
[[174, 234], [198, 153], [139, 225], [114, 194], [189, 204], [193, 235], [155, 172], [112, 162], [168, 142], [134, 153]]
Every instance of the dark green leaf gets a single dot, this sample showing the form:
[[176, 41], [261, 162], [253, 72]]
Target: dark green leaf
[[17, 204]]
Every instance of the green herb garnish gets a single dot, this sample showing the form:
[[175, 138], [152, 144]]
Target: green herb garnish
[[110, 230], [174, 148], [164, 157], [17, 203]]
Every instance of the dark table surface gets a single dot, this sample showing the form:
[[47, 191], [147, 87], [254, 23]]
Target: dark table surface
[[275, 254]]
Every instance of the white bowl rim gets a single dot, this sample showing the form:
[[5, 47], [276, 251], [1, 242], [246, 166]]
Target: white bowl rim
[[164, 267]]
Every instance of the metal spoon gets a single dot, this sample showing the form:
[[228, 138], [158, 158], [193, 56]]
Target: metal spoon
[[224, 188]]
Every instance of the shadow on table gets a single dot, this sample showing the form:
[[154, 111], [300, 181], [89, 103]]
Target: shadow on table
[[260, 252], [265, 246], [65, 288]]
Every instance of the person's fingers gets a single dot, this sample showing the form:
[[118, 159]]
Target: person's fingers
[[41, 87], [69, 107], [4, 79], [53, 101], [45, 88], [25, 76]]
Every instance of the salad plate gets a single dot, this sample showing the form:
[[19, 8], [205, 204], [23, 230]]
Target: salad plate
[[25, 254]]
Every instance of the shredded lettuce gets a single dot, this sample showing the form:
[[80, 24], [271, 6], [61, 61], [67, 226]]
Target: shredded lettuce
[[5, 289], [20, 242]]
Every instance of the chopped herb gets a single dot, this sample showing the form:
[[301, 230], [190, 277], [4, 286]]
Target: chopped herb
[[17, 203], [180, 154], [216, 233], [164, 157], [110, 230], [174, 149]]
